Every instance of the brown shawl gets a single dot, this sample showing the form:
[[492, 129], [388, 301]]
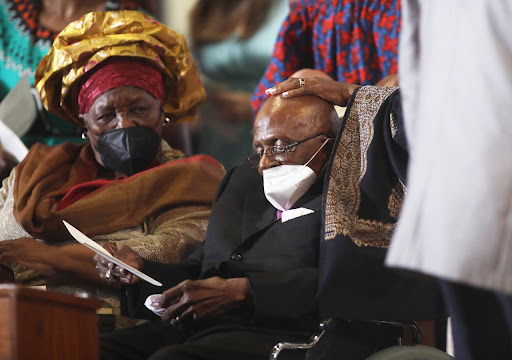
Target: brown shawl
[[48, 172]]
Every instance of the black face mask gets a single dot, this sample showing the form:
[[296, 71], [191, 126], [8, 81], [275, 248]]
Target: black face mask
[[128, 150]]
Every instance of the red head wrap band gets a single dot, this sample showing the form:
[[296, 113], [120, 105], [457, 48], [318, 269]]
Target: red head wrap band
[[120, 72]]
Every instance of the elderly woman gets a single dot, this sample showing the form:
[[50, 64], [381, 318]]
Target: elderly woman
[[122, 76]]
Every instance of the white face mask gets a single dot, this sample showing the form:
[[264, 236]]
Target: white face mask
[[285, 184]]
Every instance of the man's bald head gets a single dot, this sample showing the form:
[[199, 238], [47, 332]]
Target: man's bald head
[[305, 111], [283, 121]]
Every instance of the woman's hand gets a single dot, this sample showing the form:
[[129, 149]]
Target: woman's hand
[[200, 299], [30, 253], [335, 92], [390, 80], [114, 274], [7, 162]]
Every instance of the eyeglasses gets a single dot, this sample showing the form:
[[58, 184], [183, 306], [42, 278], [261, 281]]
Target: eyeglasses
[[278, 152]]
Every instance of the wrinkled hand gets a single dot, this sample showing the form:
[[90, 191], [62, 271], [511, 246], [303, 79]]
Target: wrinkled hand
[[30, 253], [200, 299], [7, 162], [390, 80], [118, 275], [335, 92]]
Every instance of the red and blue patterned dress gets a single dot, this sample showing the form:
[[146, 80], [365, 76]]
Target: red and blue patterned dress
[[354, 41]]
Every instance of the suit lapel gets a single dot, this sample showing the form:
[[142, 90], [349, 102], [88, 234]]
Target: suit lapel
[[258, 214]]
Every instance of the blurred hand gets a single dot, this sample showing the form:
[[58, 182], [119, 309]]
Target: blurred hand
[[30, 253], [335, 92], [200, 299], [7, 162], [117, 275], [390, 80]]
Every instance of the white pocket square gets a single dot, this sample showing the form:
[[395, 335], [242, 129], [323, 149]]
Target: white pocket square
[[295, 213]]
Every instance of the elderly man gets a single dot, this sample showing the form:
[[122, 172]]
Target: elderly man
[[253, 283]]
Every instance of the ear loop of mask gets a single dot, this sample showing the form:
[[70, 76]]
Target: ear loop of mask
[[312, 157]]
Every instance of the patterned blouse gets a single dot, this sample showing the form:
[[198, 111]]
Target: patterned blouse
[[354, 41]]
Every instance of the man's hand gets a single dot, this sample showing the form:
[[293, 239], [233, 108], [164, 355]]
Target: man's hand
[[335, 92], [113, 273], [201, 299], [7, 162], [30, 253]]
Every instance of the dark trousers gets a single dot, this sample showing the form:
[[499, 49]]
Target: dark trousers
[[158, 341], [481, 322]]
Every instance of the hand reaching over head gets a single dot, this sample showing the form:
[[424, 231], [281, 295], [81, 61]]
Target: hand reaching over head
[[201, 299], [115, 274], [316, 83], [390, 80]]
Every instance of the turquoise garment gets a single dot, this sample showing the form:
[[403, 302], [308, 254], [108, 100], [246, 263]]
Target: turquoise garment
[[19, 53], [23, 44], [237, 65], [240, 63]]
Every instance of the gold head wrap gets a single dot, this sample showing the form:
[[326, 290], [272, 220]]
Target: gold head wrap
[[98, 36]]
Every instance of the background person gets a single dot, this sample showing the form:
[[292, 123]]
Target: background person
[[351, 41], [126, 185], [232, 41], [456, 223]]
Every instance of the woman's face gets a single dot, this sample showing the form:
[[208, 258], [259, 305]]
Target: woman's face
[[122, 107]]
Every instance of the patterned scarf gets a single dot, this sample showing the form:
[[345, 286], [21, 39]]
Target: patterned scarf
[[47, 174]]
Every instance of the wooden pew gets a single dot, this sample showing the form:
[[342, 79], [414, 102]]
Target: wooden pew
[[37, 324]]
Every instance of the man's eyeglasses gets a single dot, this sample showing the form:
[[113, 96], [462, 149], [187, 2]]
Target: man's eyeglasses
[[278, 152]]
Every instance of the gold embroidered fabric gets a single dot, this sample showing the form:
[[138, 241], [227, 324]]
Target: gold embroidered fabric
[[396, 199], [349, 166]]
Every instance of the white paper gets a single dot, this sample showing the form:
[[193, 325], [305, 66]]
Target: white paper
[[295, 213], [152, 304], [12, 143], [98, 249], [18, 108]]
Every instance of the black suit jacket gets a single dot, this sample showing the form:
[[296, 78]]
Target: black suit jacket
[[244, 239]]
